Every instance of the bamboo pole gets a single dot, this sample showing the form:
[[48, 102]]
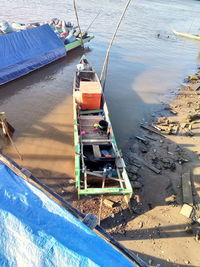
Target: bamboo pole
[[75, 9], [105, 65]]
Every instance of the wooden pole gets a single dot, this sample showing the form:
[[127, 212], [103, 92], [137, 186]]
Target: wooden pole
[[105, 65], [4, 126], [101, 201], [75, 9]]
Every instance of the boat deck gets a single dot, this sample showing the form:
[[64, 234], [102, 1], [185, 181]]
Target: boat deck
[[87, 125]]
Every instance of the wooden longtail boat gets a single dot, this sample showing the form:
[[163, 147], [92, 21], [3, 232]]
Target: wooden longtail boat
[[187, 35], [78, 42], [99, 167]]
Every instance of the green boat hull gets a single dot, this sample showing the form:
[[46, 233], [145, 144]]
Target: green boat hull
[[126, 189], [187, 35], [78, 43]]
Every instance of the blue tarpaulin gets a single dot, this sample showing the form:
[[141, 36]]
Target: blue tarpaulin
[[24, 51], [36, 231]]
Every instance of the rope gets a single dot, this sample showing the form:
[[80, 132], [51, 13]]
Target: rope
[[93, 21]]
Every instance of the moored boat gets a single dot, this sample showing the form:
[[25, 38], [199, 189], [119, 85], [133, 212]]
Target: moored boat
[[69, 34], [187, 35], [25, 51], [99, 166]]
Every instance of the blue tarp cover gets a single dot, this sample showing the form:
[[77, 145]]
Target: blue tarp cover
[[36, 231], [24, 51]]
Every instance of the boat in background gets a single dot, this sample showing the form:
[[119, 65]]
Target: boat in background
[[25, 51], [99, 166], [27, 48], [187, 35], [65, 31]]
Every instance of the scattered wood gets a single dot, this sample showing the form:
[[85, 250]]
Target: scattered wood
[[186, 210], [150, 129], [146, 142], [195, 86], [109, 203], [156, 127], [193, 117], [151, 167], [187, 189]]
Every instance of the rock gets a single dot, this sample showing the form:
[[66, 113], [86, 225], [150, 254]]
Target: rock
[[193, 117], [193, 77], [187, 262], [143, 148], [121, 232], [137, 198], [136, 185], [150, 262], [133, 177], [171, 199], [132, 169], [168, 164], [197, 236], [140, 225]]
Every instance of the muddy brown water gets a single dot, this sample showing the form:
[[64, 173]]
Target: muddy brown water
[[143, 69]]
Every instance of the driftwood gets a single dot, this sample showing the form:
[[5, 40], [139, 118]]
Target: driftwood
[[187, 189], [150, 129], [154, 169]]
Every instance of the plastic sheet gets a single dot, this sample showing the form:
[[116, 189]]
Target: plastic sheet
[[36, 231], [24, 51]]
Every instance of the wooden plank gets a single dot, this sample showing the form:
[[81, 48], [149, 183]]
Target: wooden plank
[[103, 177], [151, 167], [96, 151], [187, 189], [196, 183], [151, 130], [82, 112], [91, 117], [89, 136], [97, 140]]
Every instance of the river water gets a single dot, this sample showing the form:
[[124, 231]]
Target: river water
[[143, 70]]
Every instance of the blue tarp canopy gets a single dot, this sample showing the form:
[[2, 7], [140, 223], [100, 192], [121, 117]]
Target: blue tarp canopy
[[24, 51], [36, 231]]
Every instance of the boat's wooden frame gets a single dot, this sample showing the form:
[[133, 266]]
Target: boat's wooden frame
[[80, 171], [187, 35], [78, 42]]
